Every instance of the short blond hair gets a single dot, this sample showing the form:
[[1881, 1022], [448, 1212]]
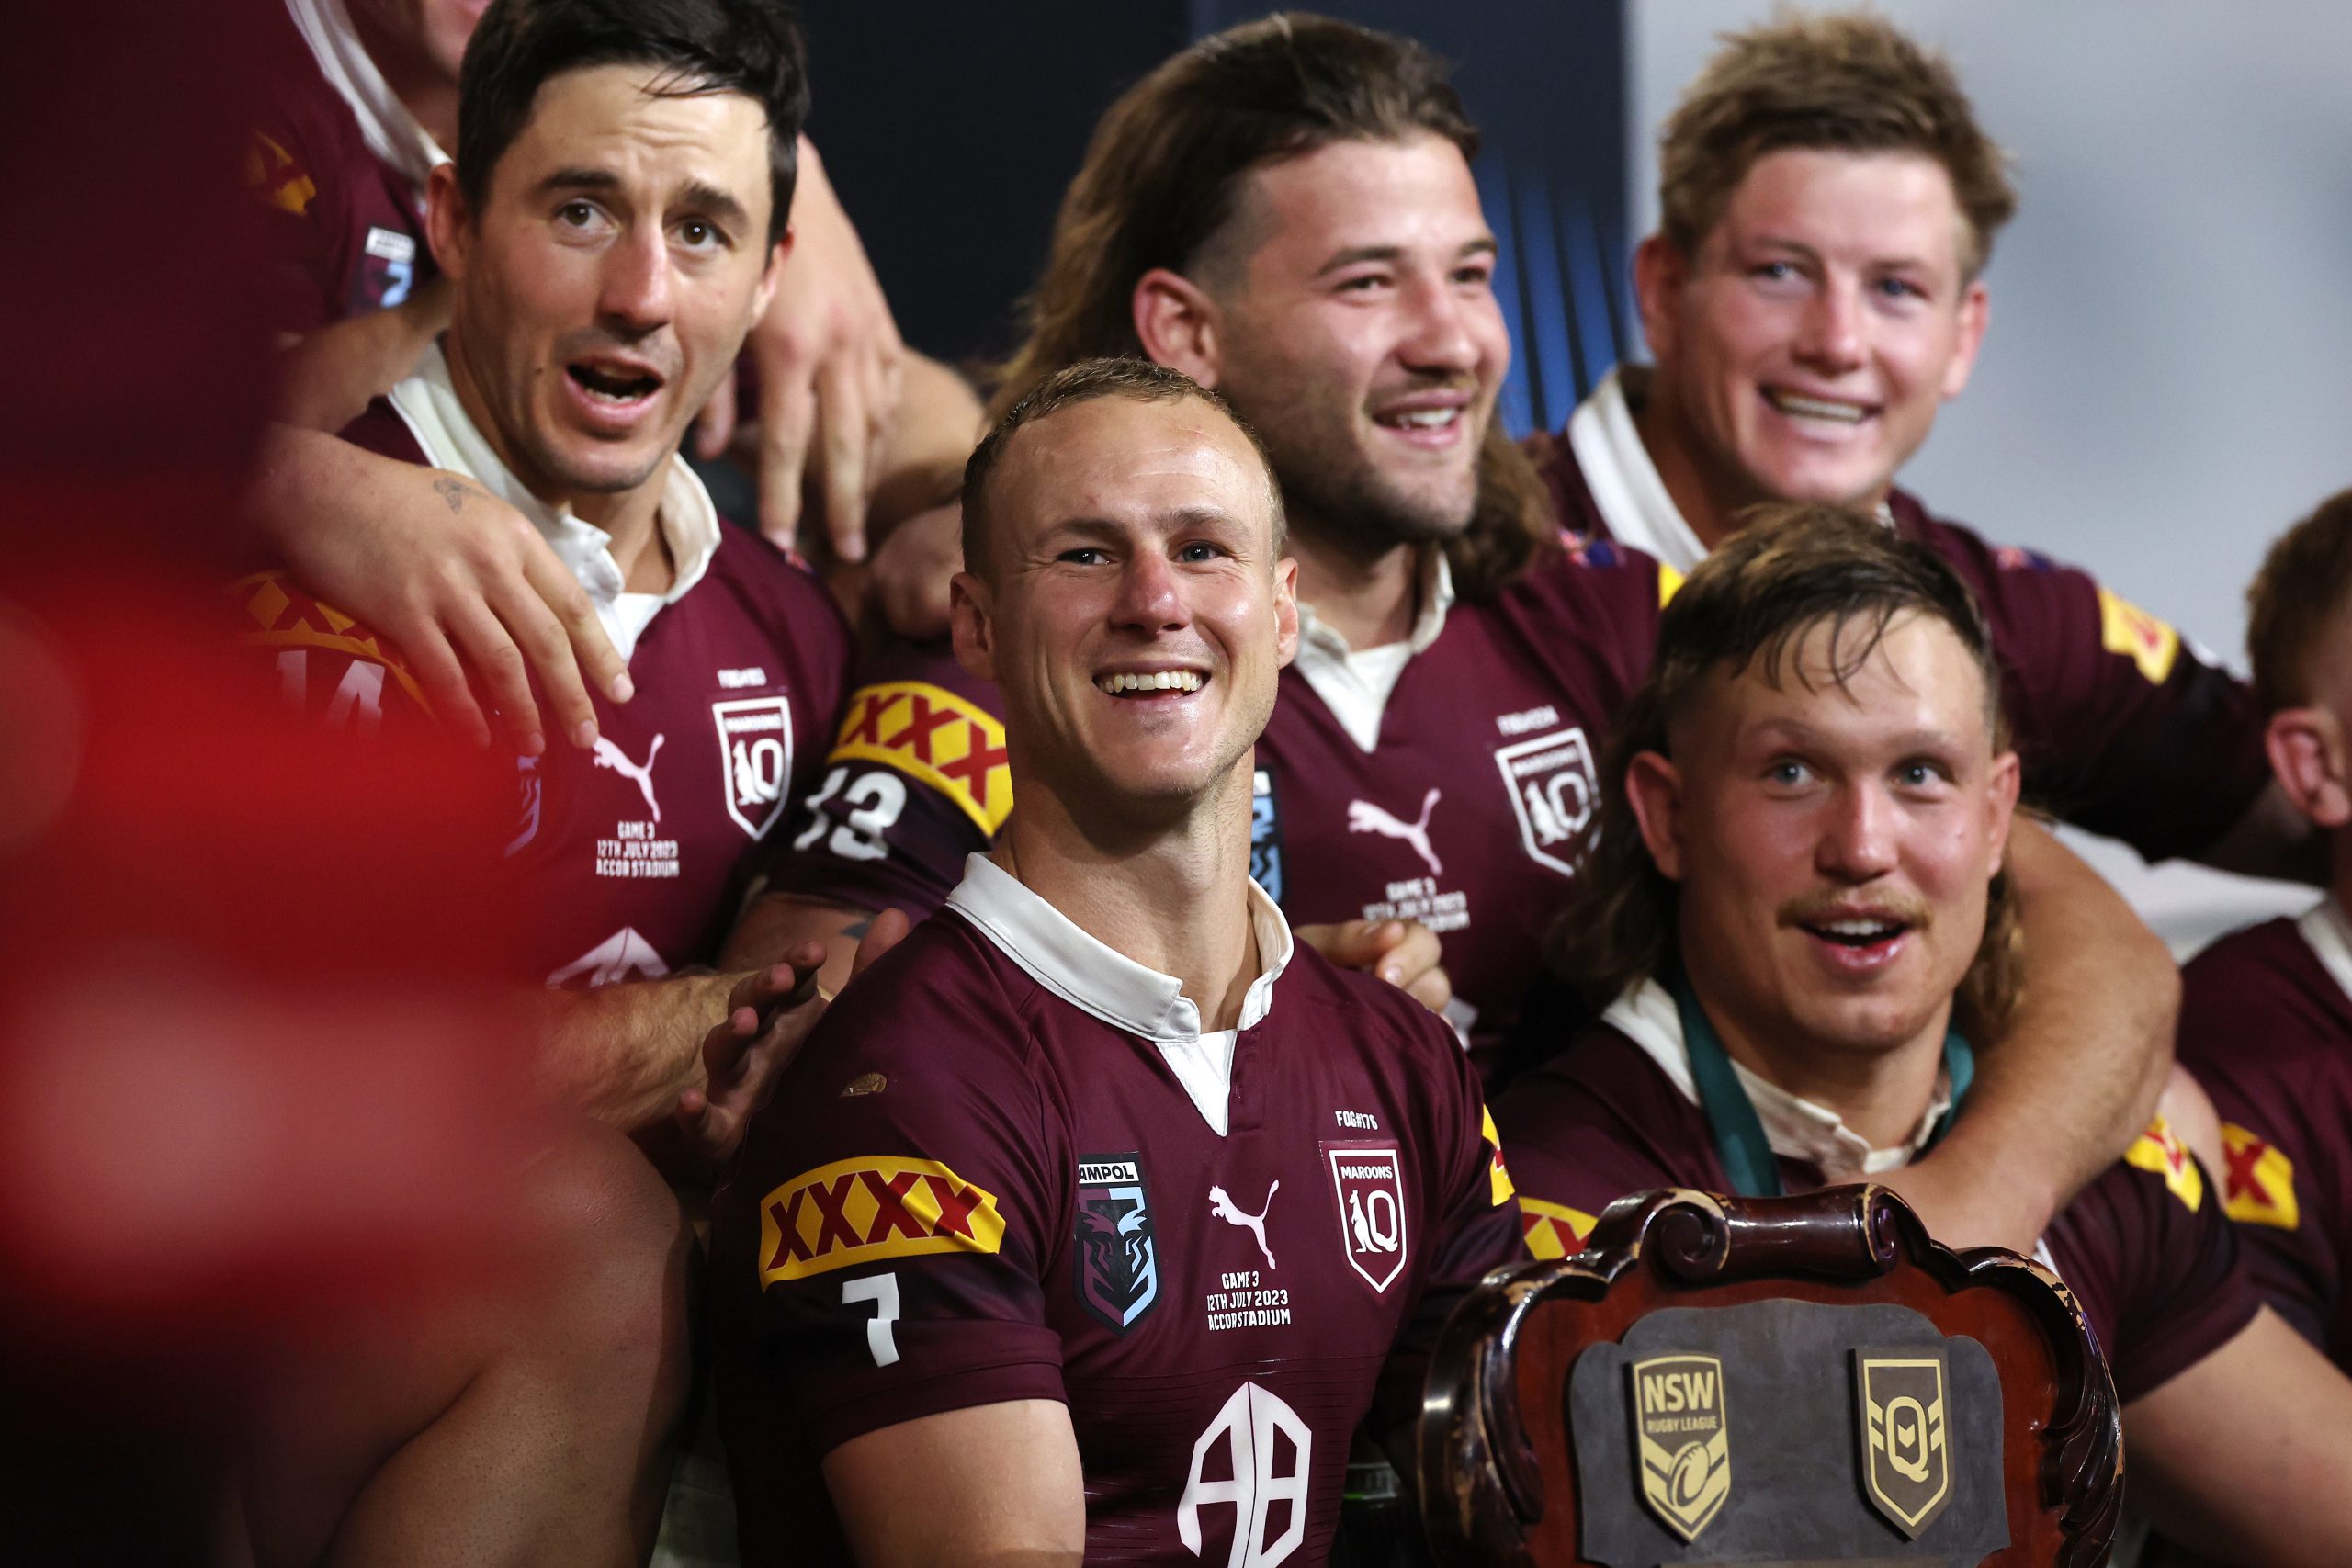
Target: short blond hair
[[2304, 585], [1846, 81]]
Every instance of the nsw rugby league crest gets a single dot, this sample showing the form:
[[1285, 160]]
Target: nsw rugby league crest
[[1117, 1257], [754, 758], [1681, 1439]]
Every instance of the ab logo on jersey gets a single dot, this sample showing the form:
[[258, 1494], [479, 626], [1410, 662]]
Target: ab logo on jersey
[[754, 758], [1270, 1453], [1551, 779], [1118, 1264], [1907, 1453], [1681, 1439], [1369, 1181]]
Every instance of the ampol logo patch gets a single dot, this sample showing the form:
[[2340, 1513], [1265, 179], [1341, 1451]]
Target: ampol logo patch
[[755, 754], [869, 1209], [1551, 783], [1369, 1182], [1117, 1258]]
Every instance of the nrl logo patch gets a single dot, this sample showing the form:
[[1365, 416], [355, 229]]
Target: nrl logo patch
[[1906, 1454], [754, 758], [1118, 1262], [1370, 1185], [1551, 782], [1681, 1439]]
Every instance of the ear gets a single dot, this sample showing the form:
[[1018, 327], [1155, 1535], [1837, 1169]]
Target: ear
[[448, 222], [2307, 754], [1285, 612], [2001, 799], [1660, 273], [779, 253], [971, 616], [1178, 325], [1976, 315], [1654, 789]]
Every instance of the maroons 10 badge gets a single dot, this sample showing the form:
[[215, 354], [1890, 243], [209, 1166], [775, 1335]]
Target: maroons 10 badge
[[1681, 1439], [1906, 1447]]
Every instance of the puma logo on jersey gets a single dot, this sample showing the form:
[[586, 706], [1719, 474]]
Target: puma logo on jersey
[[624, 955], [1225, 1209], [609, 755], [1364, 817]]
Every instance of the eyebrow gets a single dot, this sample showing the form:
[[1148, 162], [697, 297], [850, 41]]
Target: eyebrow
[[1774, 242], [1796, 732], [699, 195], [1355, 255]]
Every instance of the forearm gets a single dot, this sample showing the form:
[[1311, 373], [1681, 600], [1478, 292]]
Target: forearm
[[327, 380], [622, 1054], [922, 463], [778, 923]]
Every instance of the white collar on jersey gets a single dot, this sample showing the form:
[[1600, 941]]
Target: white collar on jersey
[[391, 132], [2328, 933], [1624, 483], [1796, 1128], [1355, 684], [1099, 979], [428, 405]]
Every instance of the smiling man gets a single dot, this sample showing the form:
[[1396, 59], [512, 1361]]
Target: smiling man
[[1815, 294], [1792, 906], [1098, 1217]]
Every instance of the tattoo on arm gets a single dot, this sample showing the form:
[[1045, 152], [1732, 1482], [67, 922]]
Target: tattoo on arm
[[452, 492]]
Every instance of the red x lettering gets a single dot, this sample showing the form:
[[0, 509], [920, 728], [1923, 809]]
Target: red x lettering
[[866, 728], [2241, 1181], [890, 1210], [920, 722], [789, 1247], [972, 768], [831, 1221], [955, 1207]]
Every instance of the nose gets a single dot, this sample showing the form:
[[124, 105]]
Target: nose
[[1830, 337], [634, 292], [1151, 601], [1858, 838], [1438, 330]]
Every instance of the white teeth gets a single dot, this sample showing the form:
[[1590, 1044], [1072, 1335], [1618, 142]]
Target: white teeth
[[1156, 681], [1856, 928], [1816, 407], [1426, 419]]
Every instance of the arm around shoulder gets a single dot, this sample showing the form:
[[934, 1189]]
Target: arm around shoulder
[[995, 1484]]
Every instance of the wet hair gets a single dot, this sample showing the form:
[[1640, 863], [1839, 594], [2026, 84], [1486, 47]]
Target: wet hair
[[1791, 568], [1137, 379], [1162, 184], [2295, 600], [1847, 82], [751, 47]]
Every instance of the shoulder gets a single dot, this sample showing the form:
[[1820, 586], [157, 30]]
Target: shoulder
[[1600, 1075], [1372, 1006], [1595, 588], [2264, 981], [380, 429], [943, 997], [2255, 954]]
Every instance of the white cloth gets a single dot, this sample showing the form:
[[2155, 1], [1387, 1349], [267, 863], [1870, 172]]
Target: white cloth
[[2329, 935], [428, 405], [391, 132], [1097, 979], [1355, 684]]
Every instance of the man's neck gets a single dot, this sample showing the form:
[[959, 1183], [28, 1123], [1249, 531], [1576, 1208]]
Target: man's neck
[[1370, 600], [631, 518], [1705, 502], [1881, 1095], [1172, 896]]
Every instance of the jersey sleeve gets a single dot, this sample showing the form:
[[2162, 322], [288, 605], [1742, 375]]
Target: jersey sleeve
[[293, 201], [2183, 1290], [893, 1214], [916, 780], [2124, 728]]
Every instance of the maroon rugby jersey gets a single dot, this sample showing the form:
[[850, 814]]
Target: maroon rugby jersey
[[1461, 815], [2266, 1027], [2144, 1248], [346, 229], [982, 1179], [635, 855], [2122, 728]]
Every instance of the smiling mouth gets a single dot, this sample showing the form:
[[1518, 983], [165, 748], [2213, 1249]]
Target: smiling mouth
[[606, 386], [1798, 406], [1420, 419], [1152, 683], [1863, 931]]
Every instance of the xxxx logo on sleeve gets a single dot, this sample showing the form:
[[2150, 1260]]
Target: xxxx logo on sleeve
[[870, 1209], [2127, 629], [931, 734], [1681, 1439], [1906, 1449], [1498, 1188], [1551, 1230], [2260, 1189], [2161, 1151]]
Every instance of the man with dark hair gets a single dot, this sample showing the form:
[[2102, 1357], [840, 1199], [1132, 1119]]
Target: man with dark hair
[[1121, 1270], [1814, 295], [2266, 1018], [1285, 211], [1791, 906]]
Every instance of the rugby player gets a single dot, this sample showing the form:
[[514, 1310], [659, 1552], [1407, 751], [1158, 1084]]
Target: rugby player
[[1287, 211], [2266, 1019], [1814, 295], [1099, 1215], [1793, 897]]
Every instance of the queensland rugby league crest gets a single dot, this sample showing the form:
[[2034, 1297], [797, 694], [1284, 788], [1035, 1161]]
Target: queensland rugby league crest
[[1369, 1181], [1117, 1257], [1906, 1444], [1552, 787], [1681, 1439], [754, 758]]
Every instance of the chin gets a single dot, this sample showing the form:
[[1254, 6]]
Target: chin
[[1867, 1025]]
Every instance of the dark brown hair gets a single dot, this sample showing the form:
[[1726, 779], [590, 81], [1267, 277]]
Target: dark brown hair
[[1791, 567], [1163, 179], [2295, 598], [1846, 81], [1131, 378]]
